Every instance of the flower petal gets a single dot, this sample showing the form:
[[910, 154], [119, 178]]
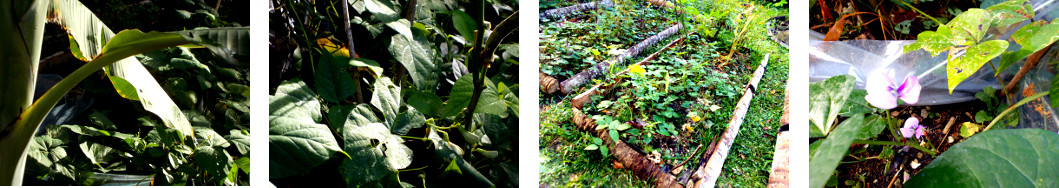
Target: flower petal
[[920, 132], [879, 94], [906, 132], [910, 90], [911, 122]]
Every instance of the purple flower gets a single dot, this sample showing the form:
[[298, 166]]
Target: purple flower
[[912, 128], [883, 92]]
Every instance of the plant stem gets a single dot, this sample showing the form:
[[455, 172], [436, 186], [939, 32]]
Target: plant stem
[[920, 12], [893, 143], [1012, 108]]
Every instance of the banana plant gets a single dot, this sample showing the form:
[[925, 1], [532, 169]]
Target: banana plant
[[22, 28]]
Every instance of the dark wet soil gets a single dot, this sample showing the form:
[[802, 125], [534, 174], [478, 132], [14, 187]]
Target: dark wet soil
[[873, 172]]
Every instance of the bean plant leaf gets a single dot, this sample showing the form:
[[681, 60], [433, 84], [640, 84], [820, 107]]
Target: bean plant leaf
[[408, 120], [856, 104], [417, 58], [375, 152], [828, 98], [296, 142], [1010, 12], [873, 125], [1032, 38], [832, 149], [344, 116], [426, 102], [241, 140], [387, 98], [48, 152], [961, 68], [461, 94], [464, 24], [382, 10], [294, 99], [297, 145], [215, 161], [206, 136], [998, 158], [333, 83], [376, 70], [966, 29]]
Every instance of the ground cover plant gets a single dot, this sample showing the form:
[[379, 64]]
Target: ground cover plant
[[670, 108], [424, 96], [120, 126], [985, 154]]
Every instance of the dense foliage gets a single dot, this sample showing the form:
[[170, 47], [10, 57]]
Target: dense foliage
[[97, 136], [424, 96]]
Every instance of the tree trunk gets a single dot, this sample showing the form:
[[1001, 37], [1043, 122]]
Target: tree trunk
[[574, 9], [587, 75]]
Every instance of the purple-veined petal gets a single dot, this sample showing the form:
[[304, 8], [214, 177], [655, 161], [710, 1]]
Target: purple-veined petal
[[879, 94], [909, 91], [911, 127], [920, 131]]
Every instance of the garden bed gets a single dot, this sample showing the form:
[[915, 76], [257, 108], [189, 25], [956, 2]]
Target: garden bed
[[651, 101]]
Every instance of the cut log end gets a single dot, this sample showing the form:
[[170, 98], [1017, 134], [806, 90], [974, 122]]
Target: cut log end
[[548, 83]]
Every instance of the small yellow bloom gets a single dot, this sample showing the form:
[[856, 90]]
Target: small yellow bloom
[[636, 69], [694, 117]]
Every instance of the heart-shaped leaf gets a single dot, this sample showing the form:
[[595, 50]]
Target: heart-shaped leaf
[[998, 158]]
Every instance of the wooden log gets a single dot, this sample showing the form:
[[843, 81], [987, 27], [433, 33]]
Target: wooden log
[[548, 83], [630, 158], [780, 162], [580, 100], [574, 9], [708, 175], [568, 85]]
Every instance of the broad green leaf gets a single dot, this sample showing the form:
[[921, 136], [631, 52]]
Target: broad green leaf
[[997, 158], [403, 27], [244, 164], [832, 149], [333, 83], [417, 57], [827, 98], [100, 154], [357, 116], [408, 120], [873, 125], [966, 29], [464, 24], [381, 10], [297, 145], [207, 137], [294, 99], [934, 42], [376, 70], [960, 68], [215, 161], [426, 102], [241, 140], [1010, 12], [50, 153], [386, 98], [461, 94], [375, 152], [856, 104], [1032, 38]]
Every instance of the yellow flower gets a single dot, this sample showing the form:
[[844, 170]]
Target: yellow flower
[[636, 69], [694, 117]]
